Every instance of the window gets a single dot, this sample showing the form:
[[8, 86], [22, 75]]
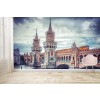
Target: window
[[66, 58], [73, 58], [62, 58], [51, 53], [81, 57], [51, 58], [69, 58]]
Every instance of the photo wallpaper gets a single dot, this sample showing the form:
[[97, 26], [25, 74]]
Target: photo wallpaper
[[56, 42]]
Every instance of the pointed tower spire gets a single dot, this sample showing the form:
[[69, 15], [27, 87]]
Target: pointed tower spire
[[74, 45], [36, 36], [50, 27]]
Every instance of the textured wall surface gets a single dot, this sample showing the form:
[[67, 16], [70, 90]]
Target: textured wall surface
[[6, 44]]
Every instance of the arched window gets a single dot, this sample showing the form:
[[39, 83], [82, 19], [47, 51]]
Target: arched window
[[62, 58], [81, 57], [51, 58], [51, 53], [73, 58], [69, 58], [66, 58], [28, 59], [99, 58]]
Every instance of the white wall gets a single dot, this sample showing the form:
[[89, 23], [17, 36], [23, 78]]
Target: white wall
[[6, 45]]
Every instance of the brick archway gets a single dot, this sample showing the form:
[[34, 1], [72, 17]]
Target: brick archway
[[99, 58]]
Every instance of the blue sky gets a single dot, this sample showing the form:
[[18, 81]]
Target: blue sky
[[82, 30]]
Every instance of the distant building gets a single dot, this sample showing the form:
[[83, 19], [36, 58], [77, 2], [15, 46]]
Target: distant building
[[16, 56], [28, 58], [73, 56], [36, 51]]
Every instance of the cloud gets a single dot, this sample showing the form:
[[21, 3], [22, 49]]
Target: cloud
[[83, 31], [86, 25]]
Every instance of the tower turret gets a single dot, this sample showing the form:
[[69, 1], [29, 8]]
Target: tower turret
[[74, 55], [36, 36], [36, 50], [50, 46], [50, 27]]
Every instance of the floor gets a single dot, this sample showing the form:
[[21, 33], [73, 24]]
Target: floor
[[49, 77]]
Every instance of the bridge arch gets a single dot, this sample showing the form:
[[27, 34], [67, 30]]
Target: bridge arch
[[63, 66]]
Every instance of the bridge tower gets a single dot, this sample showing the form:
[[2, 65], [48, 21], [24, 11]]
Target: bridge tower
[[50, 45], [36, 50]]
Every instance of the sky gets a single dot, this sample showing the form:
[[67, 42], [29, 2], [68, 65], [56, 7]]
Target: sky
[[81, 30]]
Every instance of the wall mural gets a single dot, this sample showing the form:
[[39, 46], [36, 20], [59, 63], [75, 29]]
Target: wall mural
[[56, 42]]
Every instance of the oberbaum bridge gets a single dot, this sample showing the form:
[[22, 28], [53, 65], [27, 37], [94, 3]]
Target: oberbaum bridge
[[52, 58]]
